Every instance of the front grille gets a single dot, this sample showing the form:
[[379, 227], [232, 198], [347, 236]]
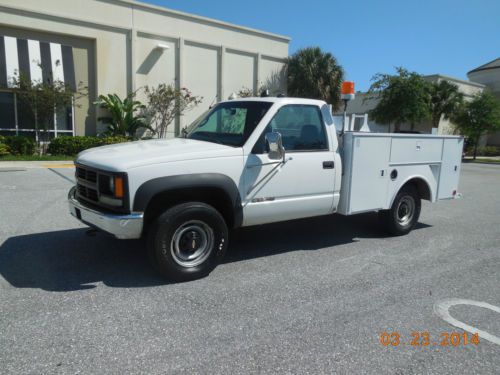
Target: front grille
[[86, 174], [87, 184], [88, 193], [91, 184]]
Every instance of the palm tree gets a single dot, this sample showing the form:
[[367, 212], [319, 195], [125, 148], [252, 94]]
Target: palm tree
[[445, 101], [312, 73], [126, 116]]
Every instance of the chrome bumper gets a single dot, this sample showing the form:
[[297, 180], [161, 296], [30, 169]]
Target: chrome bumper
[[121, 226]]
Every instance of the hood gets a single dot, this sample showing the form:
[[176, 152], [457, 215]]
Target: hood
[[124, 156]]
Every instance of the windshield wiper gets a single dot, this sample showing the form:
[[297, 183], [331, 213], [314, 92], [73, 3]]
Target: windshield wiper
[[207, 137], [215, 140]]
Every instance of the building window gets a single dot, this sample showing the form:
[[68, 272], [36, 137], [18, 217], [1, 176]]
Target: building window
[[7, 111], [37, 61], [17, 118]]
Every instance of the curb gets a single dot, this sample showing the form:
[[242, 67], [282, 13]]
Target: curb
[[11, 166]]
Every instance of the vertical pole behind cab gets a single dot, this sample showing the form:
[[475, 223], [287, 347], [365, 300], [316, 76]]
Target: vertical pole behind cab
[[345, 117]]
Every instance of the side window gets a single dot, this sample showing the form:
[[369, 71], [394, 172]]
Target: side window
[[301, 127]]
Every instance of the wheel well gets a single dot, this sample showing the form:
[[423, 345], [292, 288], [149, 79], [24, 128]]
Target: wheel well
[[214, 197], [422, 187]]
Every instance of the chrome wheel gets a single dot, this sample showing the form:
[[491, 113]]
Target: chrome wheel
[[405, 210], [192, 243]]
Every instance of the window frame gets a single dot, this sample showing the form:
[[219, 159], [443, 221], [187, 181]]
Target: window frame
[[16, 130], [327, 138]]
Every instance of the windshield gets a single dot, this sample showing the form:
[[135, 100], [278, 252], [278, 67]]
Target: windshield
[[229, 123]]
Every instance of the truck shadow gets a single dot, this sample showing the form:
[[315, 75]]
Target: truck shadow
[[69, 260], [304, 234]]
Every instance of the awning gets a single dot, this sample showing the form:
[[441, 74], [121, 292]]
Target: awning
[[39, 61]]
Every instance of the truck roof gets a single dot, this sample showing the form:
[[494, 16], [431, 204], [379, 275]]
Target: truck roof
[[283, 100]]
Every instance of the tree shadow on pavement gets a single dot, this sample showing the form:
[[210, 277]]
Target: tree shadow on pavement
[[70, 260]]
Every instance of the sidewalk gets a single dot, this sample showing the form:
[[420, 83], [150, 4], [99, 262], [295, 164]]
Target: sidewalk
[[23, 165]]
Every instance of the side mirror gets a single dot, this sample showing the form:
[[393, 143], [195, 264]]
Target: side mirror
[[276, 149]]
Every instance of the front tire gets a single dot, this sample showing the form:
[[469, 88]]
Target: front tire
[[401, 218], [187, 241]]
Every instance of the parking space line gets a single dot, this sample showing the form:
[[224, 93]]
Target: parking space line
[[63, 176], [58, 166], [442, 310]]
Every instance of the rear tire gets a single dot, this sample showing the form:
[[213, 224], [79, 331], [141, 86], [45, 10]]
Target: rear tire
[[187, 241], [401, 218]]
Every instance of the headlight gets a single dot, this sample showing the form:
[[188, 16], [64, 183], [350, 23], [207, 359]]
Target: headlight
[[111, 184], [112, 190]]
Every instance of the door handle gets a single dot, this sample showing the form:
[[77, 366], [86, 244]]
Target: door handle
[[328, 165]]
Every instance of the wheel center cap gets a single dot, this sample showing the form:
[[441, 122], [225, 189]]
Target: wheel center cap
[[194, 243], [404, 210]]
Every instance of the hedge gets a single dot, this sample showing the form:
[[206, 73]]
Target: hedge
[[67, 145], [484, 151], [4, 149], [17, 145]]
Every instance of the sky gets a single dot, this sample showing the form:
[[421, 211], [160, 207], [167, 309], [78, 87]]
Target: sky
[[448, 37]]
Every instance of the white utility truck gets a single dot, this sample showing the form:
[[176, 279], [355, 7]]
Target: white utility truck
[[250, 162]]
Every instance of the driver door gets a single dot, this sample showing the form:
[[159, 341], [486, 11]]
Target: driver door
[[303, 185]]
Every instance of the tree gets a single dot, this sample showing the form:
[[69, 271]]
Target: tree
[[312, 73], [165, 103], [445, 101], [43, 99], [479, 116], [126, 116], [403, 98], [246, 92]]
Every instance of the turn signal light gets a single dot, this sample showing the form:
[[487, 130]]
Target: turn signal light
[[119, 192]]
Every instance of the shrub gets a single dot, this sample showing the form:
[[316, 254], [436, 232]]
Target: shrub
[[111, 140], [67, 145], [126, 117], [4, 150], [19, 145], [484, 151], [165, 103]]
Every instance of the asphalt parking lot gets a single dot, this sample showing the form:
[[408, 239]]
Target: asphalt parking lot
[[309, 296]]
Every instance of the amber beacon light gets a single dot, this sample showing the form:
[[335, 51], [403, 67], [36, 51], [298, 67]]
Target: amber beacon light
[[347, 90]]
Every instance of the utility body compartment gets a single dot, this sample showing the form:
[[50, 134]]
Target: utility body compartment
[[377, 165]]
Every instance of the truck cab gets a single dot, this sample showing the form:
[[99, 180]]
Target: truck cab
[[251, 162]]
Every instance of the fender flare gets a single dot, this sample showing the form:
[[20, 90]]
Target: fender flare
[[419, 177], [153, 187]]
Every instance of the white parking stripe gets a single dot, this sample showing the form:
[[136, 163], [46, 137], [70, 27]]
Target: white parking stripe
[[442, 310]]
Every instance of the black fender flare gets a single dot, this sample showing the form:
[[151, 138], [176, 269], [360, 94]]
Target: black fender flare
[[151, 188]]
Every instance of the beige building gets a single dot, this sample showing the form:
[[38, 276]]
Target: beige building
[[120, 46]]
